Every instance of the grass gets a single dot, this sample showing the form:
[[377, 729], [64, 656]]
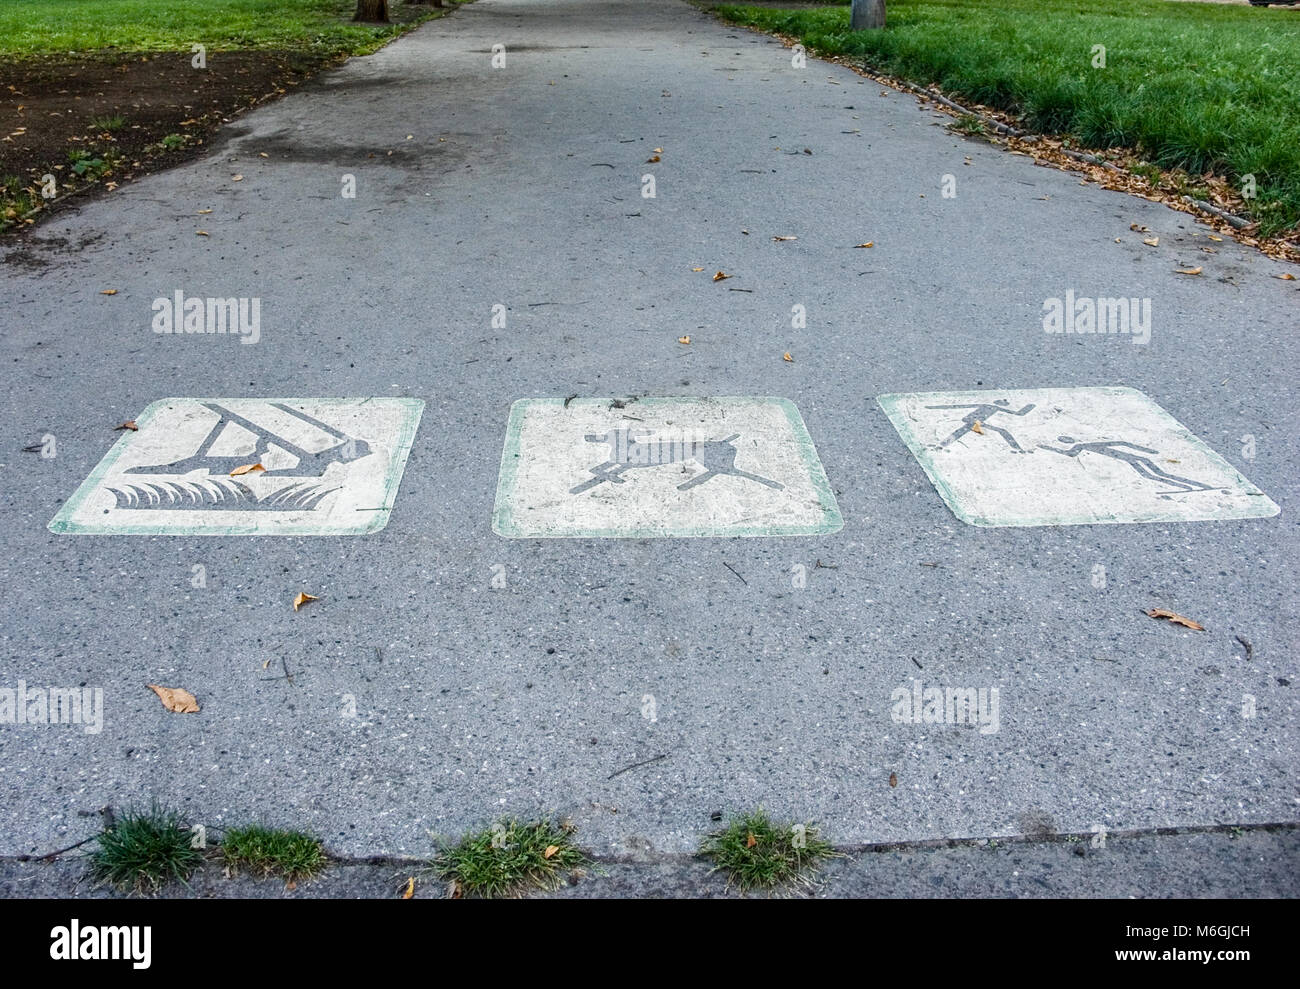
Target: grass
[[290, 855], [143, 850], [757, 854], [61, 27], [510, 858], [112, 123], [1194, 86]]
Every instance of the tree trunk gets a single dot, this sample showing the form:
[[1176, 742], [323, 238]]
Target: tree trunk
[[866, 15], [372, 11]]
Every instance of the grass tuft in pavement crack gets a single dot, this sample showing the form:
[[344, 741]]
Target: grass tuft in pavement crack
[[144, 849], [291, 855], [510, 858], [757, 854]]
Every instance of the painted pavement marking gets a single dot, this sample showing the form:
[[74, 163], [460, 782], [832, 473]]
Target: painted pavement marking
[[1067, 456], [661, 467], [331, 466]]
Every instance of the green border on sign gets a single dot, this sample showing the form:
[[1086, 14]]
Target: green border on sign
[[62, 522], [504, 524], [892, 406]]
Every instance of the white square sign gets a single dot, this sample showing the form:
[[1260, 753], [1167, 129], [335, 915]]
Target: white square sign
[[250, 466], [1067, 456], [661, 467]]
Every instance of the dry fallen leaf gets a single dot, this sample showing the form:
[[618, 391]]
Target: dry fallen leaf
[[870, 243], [1151, 241], [1286, 276], [1188, 271], [893, 779], [751, 841], [697, 269], [659, 151], [1213, 237], [1138, 227], [785, 238], [550, 850], [204, 212], [786, 356], [263, 154], [266, 664], [1175, 618], [652, 160], [302, 599], [684, 339], [410, 889], [453, 889], [236, 178], [977, 428], [109, 291], [247, 468], [202, 233], [720, 276], [176, 699], [129, 424]]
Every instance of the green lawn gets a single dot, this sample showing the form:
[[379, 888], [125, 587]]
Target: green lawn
[[44, 27], [1199, 86]]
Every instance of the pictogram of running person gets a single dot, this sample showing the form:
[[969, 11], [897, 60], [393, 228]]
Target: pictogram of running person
[[982, 414], [1144, 466]]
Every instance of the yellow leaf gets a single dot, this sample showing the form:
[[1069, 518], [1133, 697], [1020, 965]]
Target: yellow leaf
[[976, 428], [720, 276], [109, 291], [659, 151], [1286, 276], [1175, 618], [550, 850], [302, 599], [202, 233], [247, 468], [786, 356], [652, 160], [685, 339], [204, 212], [1151, 241], [129, 424], [751, 841], [1213, 237], [410, 889], [1187, 271], [870, 243], [176, 699], [697, 269]]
